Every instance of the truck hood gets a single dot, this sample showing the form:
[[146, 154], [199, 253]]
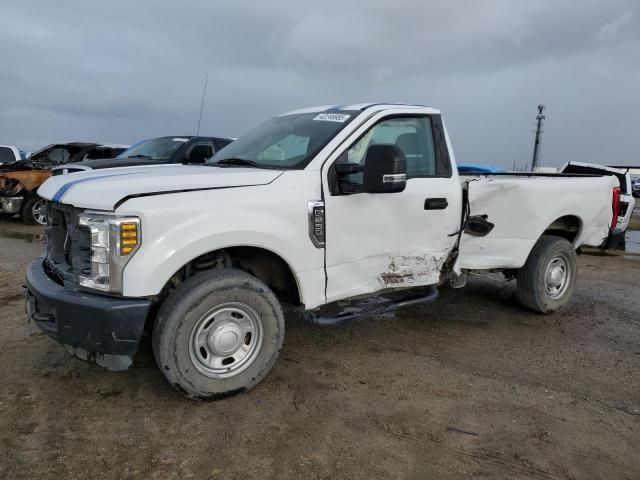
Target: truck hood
[[104, 189]]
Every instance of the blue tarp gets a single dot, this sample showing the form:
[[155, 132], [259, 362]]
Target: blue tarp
[[479, 168]]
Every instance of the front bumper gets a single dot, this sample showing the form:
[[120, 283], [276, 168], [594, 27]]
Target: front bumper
[[98, 328], [10, 205]]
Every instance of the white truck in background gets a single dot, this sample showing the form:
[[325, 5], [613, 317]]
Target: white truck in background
[[626, 200], [342, 212], [9, 154]]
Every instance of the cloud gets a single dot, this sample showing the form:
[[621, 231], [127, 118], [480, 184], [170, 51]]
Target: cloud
[[120, 71], [611, 29]]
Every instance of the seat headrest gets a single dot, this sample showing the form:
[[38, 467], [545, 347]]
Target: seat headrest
[[409, 143]]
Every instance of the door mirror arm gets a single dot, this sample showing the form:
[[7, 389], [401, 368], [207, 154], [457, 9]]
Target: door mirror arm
[[344, 168]]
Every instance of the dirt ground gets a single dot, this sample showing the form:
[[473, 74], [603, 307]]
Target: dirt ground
[[472, 385]]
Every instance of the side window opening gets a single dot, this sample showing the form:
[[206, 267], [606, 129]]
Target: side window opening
[[201, 152], [413, 135], [220, 144], [59, 155]]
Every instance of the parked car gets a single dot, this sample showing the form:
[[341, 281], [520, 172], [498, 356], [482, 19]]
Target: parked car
[[340, 212], [626, 202], [157, 151], [9, 154], [19, 181]]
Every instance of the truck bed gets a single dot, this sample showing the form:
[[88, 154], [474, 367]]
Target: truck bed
[[524, 206]]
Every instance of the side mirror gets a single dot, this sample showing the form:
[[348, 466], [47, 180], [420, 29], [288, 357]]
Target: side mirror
[[385, 169]]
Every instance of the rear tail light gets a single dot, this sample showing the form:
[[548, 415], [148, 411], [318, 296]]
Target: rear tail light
[[615, 206]]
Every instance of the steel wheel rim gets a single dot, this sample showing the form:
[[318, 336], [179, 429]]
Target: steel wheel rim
[[226, 340], [557, 277], [39, 212]]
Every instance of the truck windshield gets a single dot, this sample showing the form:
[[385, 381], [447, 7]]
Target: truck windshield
[[156, 149], [285, 142]]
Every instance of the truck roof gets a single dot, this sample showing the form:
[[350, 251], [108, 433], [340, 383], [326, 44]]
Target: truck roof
[[376, 107]]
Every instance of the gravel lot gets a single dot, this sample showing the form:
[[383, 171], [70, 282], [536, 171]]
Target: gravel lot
[[470, 386]]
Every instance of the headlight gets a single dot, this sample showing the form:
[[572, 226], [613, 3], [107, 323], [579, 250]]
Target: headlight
[[113, 241]]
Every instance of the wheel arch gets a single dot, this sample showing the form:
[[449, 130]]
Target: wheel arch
[[264, 264], [568, 227]]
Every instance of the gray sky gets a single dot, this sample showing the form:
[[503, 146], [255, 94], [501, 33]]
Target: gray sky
[[120, 71]]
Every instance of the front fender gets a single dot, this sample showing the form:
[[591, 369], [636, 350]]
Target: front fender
[[175, 229]]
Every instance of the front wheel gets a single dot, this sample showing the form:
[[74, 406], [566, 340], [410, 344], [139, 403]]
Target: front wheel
[[546, 282], [218, 334]]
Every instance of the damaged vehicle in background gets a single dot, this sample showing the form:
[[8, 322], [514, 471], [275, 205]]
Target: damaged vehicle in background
[[19, 181], [157, 151], [341, 212]]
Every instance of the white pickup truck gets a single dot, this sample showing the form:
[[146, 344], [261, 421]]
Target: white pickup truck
[[9, 154], [342, 212]]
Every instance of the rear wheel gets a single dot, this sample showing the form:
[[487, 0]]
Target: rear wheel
[[34, 210], [218, 334], [546, 282]]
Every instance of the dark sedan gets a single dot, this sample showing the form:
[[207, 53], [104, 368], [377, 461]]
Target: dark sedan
[[157, 151]]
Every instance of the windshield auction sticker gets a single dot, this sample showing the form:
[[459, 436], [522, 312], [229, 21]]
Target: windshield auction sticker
[[332, 117]]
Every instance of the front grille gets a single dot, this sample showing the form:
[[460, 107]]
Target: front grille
[[68, 245]]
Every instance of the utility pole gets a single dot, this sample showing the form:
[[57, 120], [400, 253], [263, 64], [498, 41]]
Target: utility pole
[[536, 145]]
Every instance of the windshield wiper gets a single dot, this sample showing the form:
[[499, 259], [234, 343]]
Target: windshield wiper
[[140, 156], [239, 162]]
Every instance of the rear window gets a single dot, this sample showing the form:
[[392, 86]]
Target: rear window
[[101, 153], [161, 148]]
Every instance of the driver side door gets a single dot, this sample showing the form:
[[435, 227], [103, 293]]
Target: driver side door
[[380, 241]]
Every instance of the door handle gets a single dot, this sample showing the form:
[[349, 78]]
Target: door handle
[[435, 204]]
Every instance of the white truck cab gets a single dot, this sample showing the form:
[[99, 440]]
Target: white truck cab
[[340, 211], [9, 154]]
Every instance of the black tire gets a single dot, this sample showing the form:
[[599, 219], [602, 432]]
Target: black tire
[[27, 213], [182, 316], [537, 287]]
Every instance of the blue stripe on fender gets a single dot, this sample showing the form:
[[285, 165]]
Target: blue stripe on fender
[[65, 188]]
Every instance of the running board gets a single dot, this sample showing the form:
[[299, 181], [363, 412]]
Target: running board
[[370, 307]]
